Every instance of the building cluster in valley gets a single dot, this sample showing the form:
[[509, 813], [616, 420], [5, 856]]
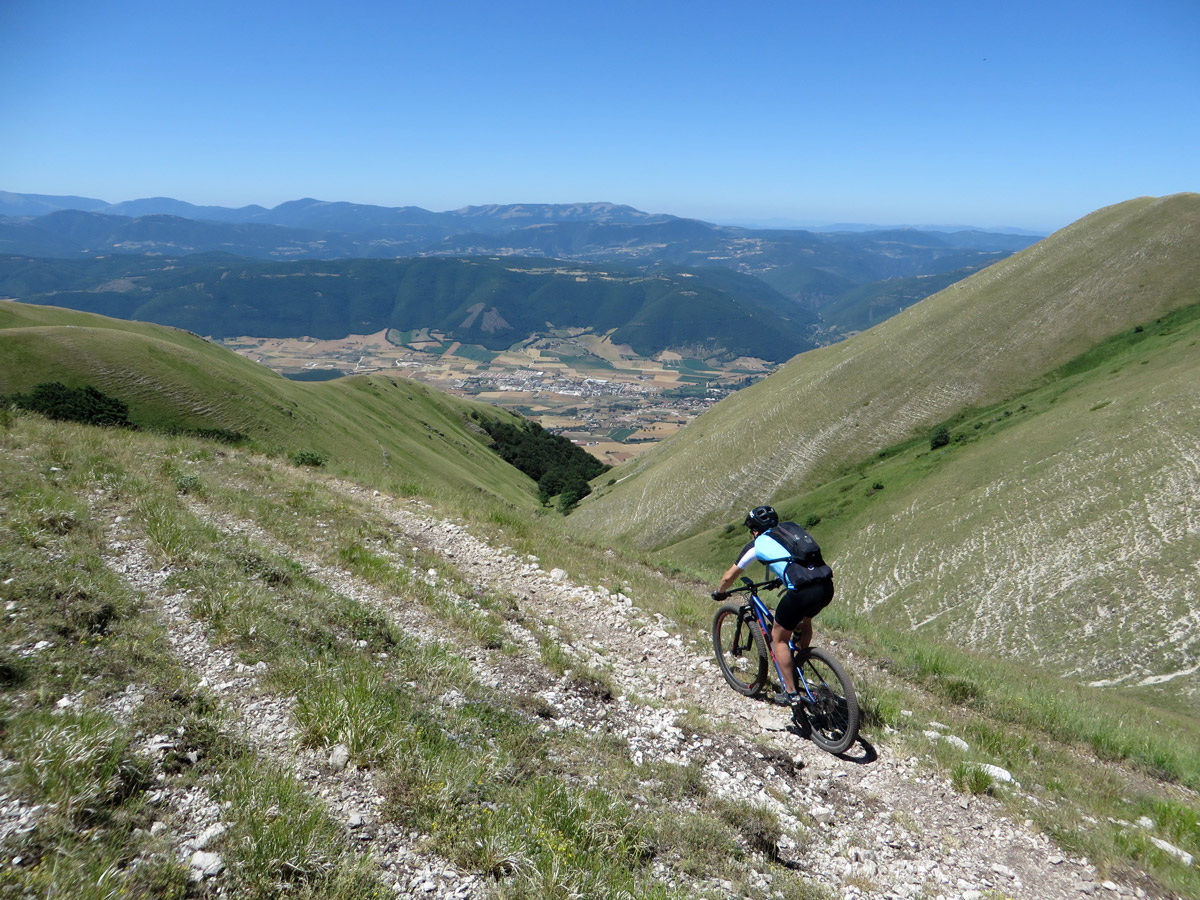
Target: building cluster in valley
[[615, 406], [536, 381]]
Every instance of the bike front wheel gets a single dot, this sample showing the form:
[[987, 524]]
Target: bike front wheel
[[832, 710], [740, 648]]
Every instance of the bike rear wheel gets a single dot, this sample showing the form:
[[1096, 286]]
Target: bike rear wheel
[[833, 713], [740, 648]]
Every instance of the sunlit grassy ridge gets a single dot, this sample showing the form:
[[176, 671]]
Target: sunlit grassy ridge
[[576, 812], [531, 812], [398, 430], [1058, 528], [978, 342]]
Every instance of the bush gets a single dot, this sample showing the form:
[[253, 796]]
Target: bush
[[939, 438], [971, 779], [560, 468], [220, 435], [759, 827], [957, 689], [308, 458], [55, 400], [189, 484]]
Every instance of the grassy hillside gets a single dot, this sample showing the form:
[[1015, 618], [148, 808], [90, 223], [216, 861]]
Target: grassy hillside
[[225, 620], [1059, 527], [979, 342], [394, 429]]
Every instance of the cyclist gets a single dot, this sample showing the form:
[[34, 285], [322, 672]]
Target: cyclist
[[803, 598]]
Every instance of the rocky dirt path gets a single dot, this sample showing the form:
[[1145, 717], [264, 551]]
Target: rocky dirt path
[[263, 721], [884, 826], [874, 825]]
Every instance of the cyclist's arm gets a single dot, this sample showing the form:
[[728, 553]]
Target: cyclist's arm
[[735, 571], [729, 578]]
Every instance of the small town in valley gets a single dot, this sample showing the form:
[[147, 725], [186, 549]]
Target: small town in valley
[[600, 395]]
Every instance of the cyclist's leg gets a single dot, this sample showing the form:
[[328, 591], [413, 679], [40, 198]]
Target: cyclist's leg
[[804, 632], [787, 616], [809, 601], [783, 656]]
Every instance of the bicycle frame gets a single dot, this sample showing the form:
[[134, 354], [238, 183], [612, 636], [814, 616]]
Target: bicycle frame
[[766, 620]]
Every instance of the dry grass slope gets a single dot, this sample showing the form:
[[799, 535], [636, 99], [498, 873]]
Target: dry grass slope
[[978, 342], [396, 429]]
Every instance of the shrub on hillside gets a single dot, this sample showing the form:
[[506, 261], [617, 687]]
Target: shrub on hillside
[[55, 400], [308, 458], [219, 435], [939, 438], [560, 468]]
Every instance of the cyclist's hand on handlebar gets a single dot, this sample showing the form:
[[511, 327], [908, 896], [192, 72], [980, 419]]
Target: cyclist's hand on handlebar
[[720, 595]]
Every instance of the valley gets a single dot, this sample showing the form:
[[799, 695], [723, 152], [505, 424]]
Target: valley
[[320, 613], [601, 395]]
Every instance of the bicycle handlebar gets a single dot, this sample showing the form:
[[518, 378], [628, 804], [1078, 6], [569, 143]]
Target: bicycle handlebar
[[753, 586], [749, 585]]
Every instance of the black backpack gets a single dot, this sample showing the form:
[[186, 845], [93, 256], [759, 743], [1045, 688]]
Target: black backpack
[[806, 565]]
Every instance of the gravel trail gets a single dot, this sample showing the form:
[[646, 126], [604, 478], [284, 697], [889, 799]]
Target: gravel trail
[[875, 825], [886, 827]]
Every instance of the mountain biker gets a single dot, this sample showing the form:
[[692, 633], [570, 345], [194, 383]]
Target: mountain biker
[[802, 599]]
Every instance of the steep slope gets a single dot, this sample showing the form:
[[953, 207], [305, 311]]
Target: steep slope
[[978, 342], [392, 427], [1060, 526], [496, 732]]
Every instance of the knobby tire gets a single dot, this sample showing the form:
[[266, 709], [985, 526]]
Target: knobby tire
[[833, 719], [740, 648]]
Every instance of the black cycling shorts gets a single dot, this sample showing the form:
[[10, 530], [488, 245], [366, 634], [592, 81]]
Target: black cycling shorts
[[803, 603]]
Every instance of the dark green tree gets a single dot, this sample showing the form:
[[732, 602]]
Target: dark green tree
[[560, 468]]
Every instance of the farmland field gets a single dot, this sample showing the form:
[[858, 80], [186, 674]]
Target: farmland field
[[601, 395]]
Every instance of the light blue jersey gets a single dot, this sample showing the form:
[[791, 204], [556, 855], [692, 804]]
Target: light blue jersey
[[766, 549]]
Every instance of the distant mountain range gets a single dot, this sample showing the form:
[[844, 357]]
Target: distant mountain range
[[350, 218], [492, 303], [357, 217], [812, 269], [798, 225]]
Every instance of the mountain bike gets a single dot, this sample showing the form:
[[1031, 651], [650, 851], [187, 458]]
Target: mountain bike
[[741, 631]]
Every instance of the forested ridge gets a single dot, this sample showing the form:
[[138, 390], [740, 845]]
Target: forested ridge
[[493, 303]]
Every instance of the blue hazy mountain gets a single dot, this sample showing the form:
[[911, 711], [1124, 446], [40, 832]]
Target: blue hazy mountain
[[813, 269]]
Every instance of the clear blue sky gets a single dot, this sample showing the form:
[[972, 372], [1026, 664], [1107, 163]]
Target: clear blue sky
[[987, 113]]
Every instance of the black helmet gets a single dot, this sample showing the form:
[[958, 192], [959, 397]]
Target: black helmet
[[761, 518]]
